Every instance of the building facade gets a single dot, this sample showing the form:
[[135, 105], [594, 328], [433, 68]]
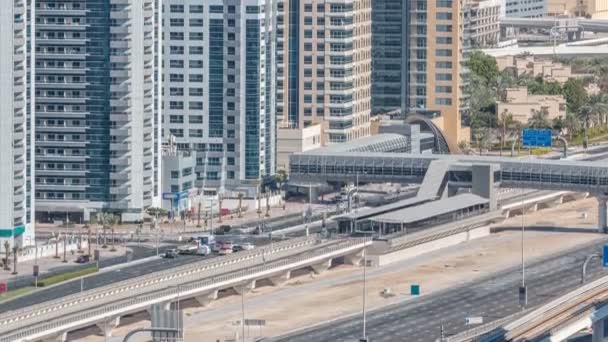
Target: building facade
[[438, 46], [96, 110], [525, 9], [323, 57], [597, 9], [522, 106], [390, 52], [15, 117], [218, 86], [484, 25]]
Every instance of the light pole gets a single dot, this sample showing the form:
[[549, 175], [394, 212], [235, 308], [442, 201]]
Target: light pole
[[364, 336], [523, 293]]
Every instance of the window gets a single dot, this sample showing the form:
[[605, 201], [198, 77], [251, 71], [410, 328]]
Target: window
[[174, 174]]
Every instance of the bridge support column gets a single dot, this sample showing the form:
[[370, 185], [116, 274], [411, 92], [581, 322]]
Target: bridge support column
[[354, 259], [602, 213], [321, 267], [280, 279], [532, 208], [245, 287], [206, 298], [57, 338], [108, 325], [598, 331]]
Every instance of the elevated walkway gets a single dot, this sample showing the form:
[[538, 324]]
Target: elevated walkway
[[435, 179], [540, 174]]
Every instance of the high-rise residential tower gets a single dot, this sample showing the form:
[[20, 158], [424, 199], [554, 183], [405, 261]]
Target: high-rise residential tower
[[15, 116], [96, 147], [390, 52], [324, 66], [218, 88]]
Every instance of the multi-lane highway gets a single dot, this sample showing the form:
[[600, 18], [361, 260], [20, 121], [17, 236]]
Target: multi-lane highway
[[420, 319]]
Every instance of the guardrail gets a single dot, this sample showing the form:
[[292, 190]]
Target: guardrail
[[206, 267], [550, 310], [157, 292]]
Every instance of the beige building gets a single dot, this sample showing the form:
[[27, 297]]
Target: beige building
[[293, 140], [597, 9], [324, 67], [523, 105], [550, 71], [437, 46], [484, 26]]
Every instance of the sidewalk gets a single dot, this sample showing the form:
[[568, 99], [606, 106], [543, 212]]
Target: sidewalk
[[52, 265]]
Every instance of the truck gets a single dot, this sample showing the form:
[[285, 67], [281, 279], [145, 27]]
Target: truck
[[206, 240]]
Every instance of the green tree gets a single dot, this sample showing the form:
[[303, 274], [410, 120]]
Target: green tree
[[281, 178], [539, 119], [575, 94], [483, 65], [572, 124], [107, 220]]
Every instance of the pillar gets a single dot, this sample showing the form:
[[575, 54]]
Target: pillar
[[206, 298], [245, 287], [280, 279], [354, 259], [602, 213], [532, 208], [598, 331], [108, 325], [321, 267]]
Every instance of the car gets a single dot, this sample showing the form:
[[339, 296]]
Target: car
[[225, 250], [247, 246], [187, 249], [171, 253], [237, 248], [227, 244], [83, 259], [216, 246]]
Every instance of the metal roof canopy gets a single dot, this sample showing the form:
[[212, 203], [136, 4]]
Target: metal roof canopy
[[369, 212], [376, 143], [432, 209]]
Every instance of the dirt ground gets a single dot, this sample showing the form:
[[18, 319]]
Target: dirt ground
[[307, 300]]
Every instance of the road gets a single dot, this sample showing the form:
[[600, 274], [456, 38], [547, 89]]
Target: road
[[420, 319]]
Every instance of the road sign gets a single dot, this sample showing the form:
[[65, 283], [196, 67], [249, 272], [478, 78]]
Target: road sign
[[251, 322], [605, 256], [473, 320], [36, 270], [536, 137], [415, 290]]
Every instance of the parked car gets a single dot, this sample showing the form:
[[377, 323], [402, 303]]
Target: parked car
[[83, 259]]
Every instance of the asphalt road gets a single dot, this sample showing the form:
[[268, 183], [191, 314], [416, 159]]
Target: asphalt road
[[420, 319]]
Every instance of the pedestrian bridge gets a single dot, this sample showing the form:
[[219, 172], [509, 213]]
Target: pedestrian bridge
[[202, 280], [531, 173]]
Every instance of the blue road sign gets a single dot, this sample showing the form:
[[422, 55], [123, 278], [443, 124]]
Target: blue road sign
[[605, 256], [415, 290], [536, 137]]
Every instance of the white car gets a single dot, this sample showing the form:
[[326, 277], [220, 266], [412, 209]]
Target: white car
[[247, 246]]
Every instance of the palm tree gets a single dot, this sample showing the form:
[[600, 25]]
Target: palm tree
[[107, 220], [506, 124], [539, 119], [572, 124]]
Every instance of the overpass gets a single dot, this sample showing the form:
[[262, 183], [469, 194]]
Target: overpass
[[581, 309], [590, 25], [455, 171], [202, 280]]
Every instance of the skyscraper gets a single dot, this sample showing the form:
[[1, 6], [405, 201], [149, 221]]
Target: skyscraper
[[218, 87], [96, 147], [390, 52], [15, 148], [324, 66]]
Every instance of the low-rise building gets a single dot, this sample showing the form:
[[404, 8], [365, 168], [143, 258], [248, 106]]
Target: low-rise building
[[295, 140], [522, 105], [179, 191], [550, 71]]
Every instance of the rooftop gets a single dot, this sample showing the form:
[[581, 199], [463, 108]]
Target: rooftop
[[431, 209]]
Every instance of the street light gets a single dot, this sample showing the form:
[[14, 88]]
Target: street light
[[523, 293]]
